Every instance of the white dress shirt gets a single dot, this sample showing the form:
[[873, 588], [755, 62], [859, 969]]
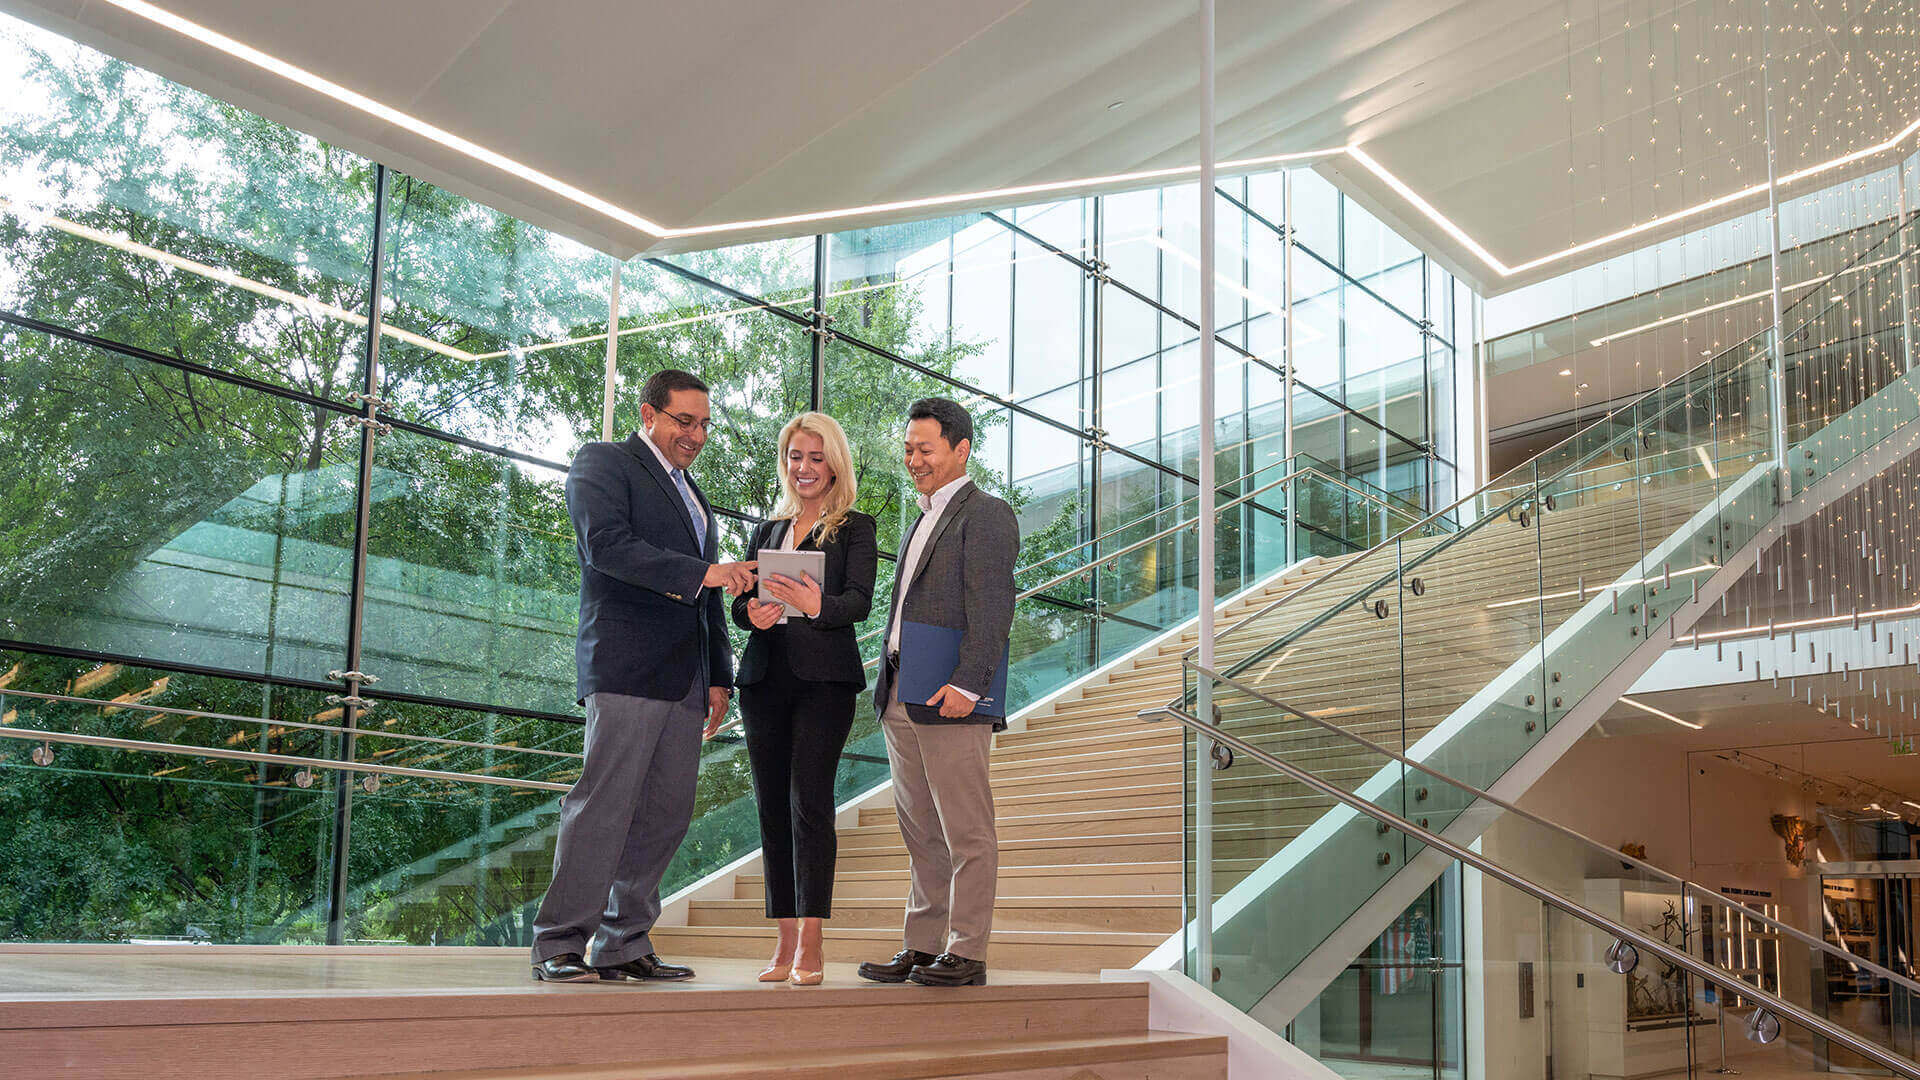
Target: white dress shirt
[[671, 469], [931, 508]]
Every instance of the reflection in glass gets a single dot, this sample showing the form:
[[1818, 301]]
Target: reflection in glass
[[507, 323], [141, 211], [165, 515]]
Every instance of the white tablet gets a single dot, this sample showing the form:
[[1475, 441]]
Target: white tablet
[[790, 564]]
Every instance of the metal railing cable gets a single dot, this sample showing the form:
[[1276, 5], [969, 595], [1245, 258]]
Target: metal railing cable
[[1618, 931], [1108, 558], [335, 764], [302, 725]]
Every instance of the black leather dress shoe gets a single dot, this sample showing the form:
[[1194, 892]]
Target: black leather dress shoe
[[649, 966], [567, 967], [950, 970], [896, 969]]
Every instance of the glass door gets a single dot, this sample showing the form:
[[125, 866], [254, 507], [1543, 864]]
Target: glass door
[[1395, 1012], [1872, 915]]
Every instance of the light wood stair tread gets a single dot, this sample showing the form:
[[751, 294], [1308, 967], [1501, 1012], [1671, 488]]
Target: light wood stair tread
[[919, 1061]]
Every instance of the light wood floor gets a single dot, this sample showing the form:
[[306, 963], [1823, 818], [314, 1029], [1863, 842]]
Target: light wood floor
[[77, 973]]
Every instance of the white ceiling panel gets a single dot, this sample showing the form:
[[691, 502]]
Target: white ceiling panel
[[1529, 126]]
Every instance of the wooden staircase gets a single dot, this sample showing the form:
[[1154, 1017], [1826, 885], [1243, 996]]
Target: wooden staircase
[[1089, 799], [1483, 605]]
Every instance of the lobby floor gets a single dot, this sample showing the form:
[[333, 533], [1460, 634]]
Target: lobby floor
[[82, 972]]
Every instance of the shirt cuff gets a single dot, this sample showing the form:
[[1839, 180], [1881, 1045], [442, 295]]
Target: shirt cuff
[[968, 694]]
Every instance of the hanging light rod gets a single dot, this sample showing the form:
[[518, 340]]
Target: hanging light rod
[[407, 122]]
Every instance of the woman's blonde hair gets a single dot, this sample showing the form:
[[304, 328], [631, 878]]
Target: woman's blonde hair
[[840, 497]]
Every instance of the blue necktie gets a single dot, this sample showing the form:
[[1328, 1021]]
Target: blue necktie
[[693, 508]]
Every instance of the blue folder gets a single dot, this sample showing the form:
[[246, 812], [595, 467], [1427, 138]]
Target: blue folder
[[928, 655]]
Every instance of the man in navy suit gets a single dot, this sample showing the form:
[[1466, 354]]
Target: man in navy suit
[[653, 660]]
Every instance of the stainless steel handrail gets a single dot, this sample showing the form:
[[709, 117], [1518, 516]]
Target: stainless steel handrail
[[1521, 492], [362, 733], [142, 746], [1137, 545], [1149, 541], [1683, 960], [1499, 482], [1598, 848], [1150, 515]]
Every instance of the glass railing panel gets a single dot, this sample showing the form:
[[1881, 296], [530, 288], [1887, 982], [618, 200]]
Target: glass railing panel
[[1280, 831], [1665, 1016], [1862, 923], [1743, 443], [1470, 611], [161, 514], [440, 862], [1529, 925], [1266, 645], [473, 582], [117, 845], [1267, 917], [1848, 381], [1399, 1007]]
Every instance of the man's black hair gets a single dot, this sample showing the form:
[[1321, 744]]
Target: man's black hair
[[955, 422], [661, 384]]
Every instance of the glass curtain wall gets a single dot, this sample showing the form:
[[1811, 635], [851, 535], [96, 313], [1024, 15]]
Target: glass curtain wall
[[330, 551]]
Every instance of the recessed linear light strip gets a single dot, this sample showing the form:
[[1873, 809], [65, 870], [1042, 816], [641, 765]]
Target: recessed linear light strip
[[1747, 298], [1662, 714], [1803, 624], [327, 88], [994, 194], [433, 133], [228, 277]]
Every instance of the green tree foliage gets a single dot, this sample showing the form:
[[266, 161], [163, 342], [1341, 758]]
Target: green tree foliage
[[151, 511]]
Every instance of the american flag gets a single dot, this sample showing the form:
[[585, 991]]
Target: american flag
[[1399, 950]]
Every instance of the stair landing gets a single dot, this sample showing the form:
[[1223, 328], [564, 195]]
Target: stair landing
[[307, 1014]]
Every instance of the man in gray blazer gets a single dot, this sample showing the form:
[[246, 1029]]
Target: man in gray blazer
[[956, 572]]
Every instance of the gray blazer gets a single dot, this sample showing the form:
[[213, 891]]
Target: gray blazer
[[964, 582]]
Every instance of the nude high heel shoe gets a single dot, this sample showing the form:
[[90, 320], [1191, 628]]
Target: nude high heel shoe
[[776, 973], [807, 978]]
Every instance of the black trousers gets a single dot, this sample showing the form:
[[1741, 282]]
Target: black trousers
[[795, 731]]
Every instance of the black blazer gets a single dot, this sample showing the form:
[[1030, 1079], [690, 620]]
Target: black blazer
[[647, 626], [825, 648]]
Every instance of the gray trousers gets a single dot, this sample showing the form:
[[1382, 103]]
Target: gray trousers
[[944, 800], [620, 826]]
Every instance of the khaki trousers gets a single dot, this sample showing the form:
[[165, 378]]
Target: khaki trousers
[[944, 801]]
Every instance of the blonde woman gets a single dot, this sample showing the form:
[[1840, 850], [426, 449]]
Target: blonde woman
[[798, 681]]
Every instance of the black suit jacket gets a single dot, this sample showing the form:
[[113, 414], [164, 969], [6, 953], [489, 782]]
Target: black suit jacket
[[825, 648], [647, 626]]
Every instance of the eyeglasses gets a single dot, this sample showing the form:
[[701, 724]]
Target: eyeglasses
[[685, 421]]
